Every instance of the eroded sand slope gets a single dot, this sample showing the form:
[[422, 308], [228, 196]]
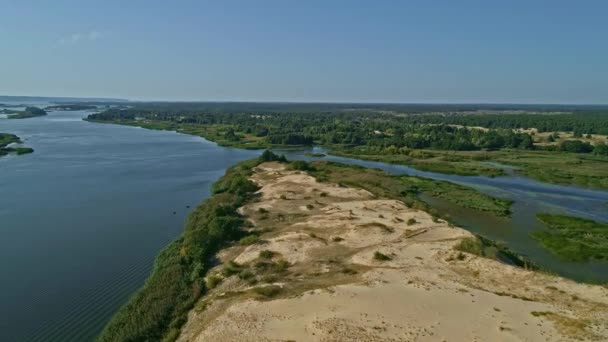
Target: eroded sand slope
[[336, 290]]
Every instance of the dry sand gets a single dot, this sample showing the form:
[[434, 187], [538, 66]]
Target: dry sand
[[427, 291]]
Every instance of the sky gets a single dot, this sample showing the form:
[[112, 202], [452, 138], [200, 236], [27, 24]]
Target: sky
[[327, 51]]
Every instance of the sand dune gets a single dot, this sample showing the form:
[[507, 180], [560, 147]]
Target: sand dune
[[337, 290]]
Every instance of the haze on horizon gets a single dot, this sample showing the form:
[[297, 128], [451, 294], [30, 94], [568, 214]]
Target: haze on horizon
[[338, 51]]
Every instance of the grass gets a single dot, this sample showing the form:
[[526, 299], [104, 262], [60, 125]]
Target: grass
[[408, 188], [573, 238]]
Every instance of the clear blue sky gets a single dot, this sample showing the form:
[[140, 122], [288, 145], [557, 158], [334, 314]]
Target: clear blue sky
[[397, 51]]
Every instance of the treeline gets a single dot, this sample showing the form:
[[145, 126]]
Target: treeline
[[579, 123], [159, 309], [360, 128]]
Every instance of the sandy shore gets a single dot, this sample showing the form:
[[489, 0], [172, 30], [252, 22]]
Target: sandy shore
[[337, 289]]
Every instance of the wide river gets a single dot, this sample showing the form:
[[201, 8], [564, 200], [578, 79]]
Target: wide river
[[82, 218]]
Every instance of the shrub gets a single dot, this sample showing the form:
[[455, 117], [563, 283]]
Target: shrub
[[301, 166], [268, 291], [411, 221], [381, 257], [246, 275], [270, 278], [231, 268], [280, 266], [249, 240], [213, 281], [268, 155], [266, 254]]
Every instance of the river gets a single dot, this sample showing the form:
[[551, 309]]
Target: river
[[83, 217]]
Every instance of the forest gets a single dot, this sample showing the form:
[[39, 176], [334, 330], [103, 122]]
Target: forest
[[331, 125]]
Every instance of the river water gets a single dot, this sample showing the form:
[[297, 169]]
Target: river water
[[83, 217]]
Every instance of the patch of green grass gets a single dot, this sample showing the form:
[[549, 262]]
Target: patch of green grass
[[573, 238]]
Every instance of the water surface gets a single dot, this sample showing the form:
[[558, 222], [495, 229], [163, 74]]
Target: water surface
[[83, 217]]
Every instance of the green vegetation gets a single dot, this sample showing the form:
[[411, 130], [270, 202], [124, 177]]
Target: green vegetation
[[581, 122], [381, 257], [407, 188], [483, 247], [28, 112], [588, 170], [157, 311], [268, 291], [249, 240], [71, 107], [7, 139], [449, 162], [573, 238]]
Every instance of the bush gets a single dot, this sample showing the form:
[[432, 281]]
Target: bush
[[249, 240], [280, 266], [411, 221], [230, 269], [268, 291], [268, 156], [266, 254], [301, 166], [213, 281], [246, 275], [381, 257]]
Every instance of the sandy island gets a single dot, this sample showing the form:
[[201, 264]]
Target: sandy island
[[337, 290]]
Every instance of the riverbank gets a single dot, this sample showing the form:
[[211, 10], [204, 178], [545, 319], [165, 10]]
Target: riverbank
[[326, 235]]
